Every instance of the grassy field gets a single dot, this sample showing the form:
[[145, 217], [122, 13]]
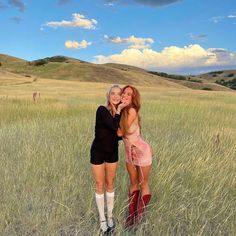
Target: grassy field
[[45, 179]]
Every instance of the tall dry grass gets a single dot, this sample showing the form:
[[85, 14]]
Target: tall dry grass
[[46, 183]]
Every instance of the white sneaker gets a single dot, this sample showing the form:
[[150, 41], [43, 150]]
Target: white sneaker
[[103, 226], [110, 222]]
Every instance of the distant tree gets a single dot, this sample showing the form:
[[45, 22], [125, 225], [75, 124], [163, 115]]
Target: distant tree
[[39, 62], [177, 77], [55, 59], [0, 63], [230, 83], [231, 75], [195, 80], [216, 72], [206, 88]]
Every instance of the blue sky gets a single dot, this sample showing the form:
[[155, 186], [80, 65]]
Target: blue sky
[[174, 36]]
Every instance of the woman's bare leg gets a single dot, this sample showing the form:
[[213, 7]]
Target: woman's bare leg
[[143, 177], [133, 176], [99, 176], [110, 170]]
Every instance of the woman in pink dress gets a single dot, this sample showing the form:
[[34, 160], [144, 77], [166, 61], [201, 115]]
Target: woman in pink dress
[[138, 156]]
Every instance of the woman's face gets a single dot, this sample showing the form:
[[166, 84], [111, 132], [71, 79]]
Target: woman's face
[[115, 96], [126, 96]]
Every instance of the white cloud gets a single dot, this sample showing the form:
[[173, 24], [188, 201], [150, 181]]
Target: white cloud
[[172, 58], [136, 43], [217, 19], [78, 21], [77, 45], [200, 37], [231, 16], [109, 4]]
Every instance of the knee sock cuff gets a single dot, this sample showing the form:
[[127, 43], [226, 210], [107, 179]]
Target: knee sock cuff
[[98, 195], [110, 194]]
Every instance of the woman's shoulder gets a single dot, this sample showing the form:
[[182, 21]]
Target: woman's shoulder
[[132, 111], [102, 108]]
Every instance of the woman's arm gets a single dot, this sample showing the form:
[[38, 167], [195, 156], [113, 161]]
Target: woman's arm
[[132, 115], [104, 116]]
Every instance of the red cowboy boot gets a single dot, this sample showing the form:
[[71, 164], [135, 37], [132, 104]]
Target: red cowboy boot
[[143, 202], [133, 203]]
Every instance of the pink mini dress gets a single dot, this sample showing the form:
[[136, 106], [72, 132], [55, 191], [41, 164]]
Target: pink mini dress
[[137, 151]]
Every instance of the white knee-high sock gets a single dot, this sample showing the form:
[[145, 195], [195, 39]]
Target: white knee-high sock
[[100, 204], [110, 205]]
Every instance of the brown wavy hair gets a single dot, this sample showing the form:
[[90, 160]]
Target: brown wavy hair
[[135, 103]]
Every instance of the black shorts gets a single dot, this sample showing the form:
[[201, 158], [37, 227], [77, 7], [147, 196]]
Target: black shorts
[[98, 157]]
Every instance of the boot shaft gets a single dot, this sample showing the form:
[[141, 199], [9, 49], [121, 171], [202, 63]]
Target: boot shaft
[[143, 202]]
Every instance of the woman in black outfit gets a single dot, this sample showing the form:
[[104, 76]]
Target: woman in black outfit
[[104, 154]]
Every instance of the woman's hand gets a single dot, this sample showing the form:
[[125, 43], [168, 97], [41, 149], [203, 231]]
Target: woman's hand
[[121, 106], [113, 108], [119, 132]]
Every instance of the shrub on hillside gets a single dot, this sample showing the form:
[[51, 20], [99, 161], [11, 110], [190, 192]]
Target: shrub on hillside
[[195, 80], [231, 75], [216, 72], [178, 77], [39, 62], [46, 60], [162, 74], [55, 59], [221, 82], [208, 89], [230, 83]]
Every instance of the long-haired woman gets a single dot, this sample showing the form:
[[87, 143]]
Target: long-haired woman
[[138, 155], [104, 154]]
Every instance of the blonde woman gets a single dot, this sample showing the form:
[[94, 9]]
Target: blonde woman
[[104, 155]]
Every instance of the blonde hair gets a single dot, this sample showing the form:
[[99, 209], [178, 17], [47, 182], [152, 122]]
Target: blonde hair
[[135, 103], [109, 107]]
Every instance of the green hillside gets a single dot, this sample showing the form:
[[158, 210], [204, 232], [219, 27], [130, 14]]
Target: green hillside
[[218, 75], [226, 78], [65, 68], [194, 82]]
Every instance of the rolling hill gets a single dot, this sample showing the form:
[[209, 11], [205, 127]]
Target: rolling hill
[[66, 68], [8, 78], [218, 75]]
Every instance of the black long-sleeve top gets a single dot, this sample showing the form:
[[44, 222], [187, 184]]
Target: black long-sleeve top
[[106, 139]]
